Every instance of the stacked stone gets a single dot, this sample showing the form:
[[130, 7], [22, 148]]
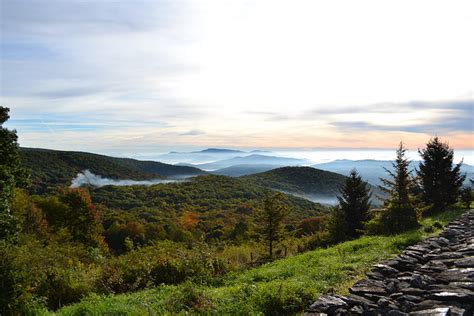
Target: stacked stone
[[434, 277]]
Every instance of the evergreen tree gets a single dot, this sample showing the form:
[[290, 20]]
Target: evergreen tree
[[338, 225], [354, 202], [271, 220], [440, 180], [11, 176], [466, 197], [399, 213]]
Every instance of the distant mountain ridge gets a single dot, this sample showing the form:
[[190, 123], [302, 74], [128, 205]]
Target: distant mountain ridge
[[55, 167], [204, 156], [252, 160], [243, 170], [372, 170]]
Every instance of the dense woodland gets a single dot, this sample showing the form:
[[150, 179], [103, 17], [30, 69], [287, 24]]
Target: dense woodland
[[59, 244]]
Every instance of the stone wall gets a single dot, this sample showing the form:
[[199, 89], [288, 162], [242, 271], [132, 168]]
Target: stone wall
[[434, 277]]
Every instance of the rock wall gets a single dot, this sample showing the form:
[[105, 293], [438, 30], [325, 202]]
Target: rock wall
[[434, 277]]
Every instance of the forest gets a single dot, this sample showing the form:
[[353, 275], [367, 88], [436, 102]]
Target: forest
[[189, 240]]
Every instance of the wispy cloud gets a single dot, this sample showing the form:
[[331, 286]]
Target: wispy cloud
[[104, 75]]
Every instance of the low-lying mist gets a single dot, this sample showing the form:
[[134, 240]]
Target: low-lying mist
[[88, 178]]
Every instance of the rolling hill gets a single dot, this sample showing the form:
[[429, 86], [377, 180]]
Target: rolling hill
[[301, 180], [52, 167]]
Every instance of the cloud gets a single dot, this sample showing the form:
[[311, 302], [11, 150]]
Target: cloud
[[103, 75], [193, 132], [440, 117], [88, 178]]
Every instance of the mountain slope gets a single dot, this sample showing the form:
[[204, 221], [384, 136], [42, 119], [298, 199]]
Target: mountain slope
[[52, 167], [252, 160]]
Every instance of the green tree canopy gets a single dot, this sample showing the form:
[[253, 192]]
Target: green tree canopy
[[440, 179], [354, 202], [11, 176], [271, 220]]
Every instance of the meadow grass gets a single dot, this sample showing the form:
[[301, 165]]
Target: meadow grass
[[284, 286]]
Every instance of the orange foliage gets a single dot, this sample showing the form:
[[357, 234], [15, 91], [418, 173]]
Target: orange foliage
[[189, 220]]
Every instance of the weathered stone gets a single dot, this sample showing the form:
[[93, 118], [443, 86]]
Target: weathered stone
[[458, 295], [410, 298], [434, 277], [440, 311], [413, 291], [457, 311], [462, 285], [457, 275], [356, 310], [385, 269], [465, 262], [368, 287], [328, 304]]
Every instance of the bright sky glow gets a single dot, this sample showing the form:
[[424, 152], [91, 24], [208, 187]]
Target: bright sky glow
[[111, 76]]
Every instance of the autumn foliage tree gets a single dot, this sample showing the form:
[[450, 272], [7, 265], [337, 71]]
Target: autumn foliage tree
[[73, 209]]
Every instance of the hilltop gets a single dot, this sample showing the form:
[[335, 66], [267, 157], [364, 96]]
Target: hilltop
[[302, 180]]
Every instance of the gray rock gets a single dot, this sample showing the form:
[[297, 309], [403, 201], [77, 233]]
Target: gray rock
[[328, 304], [440, 311], [456, 295]]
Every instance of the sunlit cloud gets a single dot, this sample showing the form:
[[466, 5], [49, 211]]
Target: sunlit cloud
[[148, 75]]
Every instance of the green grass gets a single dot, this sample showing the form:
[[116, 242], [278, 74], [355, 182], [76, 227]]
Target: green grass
[[284, 286]]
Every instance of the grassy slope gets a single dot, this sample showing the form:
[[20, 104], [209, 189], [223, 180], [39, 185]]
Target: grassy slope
[[287, 285]]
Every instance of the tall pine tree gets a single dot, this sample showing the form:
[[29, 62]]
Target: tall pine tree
[[440, 179], [354, 203], [399, 213]]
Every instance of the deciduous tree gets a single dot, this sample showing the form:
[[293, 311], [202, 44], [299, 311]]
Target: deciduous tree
[[11, 175]]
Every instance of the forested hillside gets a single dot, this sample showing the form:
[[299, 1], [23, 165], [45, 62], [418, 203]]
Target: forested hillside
[[211, 205], [53, 167]]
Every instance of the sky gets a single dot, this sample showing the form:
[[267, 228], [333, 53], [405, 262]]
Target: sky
[[117, 76]]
